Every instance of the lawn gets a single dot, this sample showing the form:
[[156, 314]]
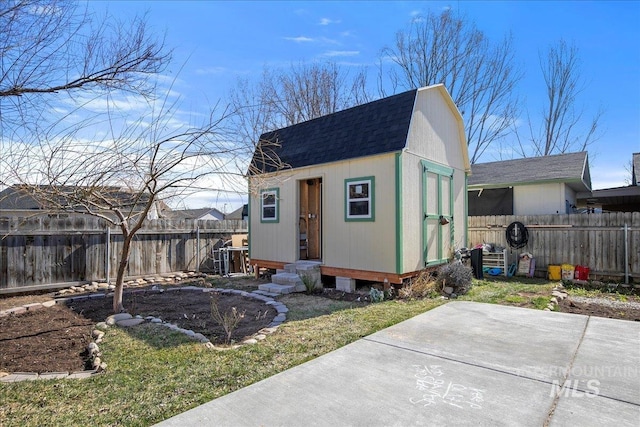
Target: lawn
[[154, 373]]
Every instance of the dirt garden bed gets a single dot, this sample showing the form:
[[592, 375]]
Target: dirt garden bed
[[602, 307], [54, 339]]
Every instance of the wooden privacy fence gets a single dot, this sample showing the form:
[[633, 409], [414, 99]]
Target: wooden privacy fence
[[40, 250], [607, 243]]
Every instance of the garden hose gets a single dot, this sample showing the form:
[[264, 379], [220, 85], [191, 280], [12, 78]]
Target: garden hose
[[517, 235]]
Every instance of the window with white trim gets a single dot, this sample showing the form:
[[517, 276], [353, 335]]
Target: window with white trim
[[269, 208], [359, 199]]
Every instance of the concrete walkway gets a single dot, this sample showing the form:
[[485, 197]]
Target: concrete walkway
[[462, 363]]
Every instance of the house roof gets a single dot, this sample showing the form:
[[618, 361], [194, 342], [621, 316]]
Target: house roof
[[635, 169], [571, 168], [239, 213], [619, 199], [25, 197], [192, 213], [377, 127]]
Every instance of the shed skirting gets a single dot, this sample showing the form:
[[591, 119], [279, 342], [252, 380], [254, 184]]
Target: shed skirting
[[374, 276]]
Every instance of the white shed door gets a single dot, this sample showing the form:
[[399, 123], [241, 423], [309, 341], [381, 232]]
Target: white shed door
[[437, 202]]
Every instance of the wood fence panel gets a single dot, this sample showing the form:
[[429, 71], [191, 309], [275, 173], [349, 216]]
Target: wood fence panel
[[593, 240], [43, 250]]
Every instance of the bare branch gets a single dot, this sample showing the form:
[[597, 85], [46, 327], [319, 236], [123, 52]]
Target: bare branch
[[480, 76], [561, 129]]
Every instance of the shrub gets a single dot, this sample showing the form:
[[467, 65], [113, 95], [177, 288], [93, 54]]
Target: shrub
[[229, 320], [423, 286], [376, 295], [309, 283], [456, 276]]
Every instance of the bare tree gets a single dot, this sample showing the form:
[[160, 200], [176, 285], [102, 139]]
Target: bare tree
[[480, 75], [87, 126], [561, 129], [121, 178], [628, 168], [286, 97], [52, 49]]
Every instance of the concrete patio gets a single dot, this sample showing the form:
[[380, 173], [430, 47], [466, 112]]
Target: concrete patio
[[462, 363]]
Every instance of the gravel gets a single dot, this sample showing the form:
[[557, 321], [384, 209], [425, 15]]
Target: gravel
[[606, 302]]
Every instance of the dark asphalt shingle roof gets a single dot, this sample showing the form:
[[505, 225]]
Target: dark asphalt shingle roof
[[377, 127], [570, 167]]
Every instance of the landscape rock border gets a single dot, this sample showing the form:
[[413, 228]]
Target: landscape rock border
[[557, 294], [125, 320]]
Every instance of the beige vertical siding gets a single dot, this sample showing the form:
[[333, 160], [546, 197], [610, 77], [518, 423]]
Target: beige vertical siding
[[539, 199], [356, 245], [435, 137], [274, 241]]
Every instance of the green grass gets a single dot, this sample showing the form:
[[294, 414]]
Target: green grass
[[154, 373], [509, 291]]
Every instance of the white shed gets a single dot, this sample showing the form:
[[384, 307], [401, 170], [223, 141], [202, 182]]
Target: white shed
[[375, 192]]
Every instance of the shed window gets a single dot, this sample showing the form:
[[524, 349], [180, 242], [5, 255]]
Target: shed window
[[359, 199], [269, 205]]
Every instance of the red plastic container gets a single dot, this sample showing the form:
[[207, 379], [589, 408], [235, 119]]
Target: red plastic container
[[581, 272]]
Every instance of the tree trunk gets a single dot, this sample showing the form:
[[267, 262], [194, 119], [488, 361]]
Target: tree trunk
[[118, 306]]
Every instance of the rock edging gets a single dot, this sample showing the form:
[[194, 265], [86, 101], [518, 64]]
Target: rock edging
[[127, 320], [557, 294]]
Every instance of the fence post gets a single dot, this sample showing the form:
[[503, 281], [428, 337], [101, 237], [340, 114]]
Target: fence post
[[198, 249], [626, 254], [107, 255]]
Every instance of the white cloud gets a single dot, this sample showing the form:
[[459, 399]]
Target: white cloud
[[300, 39], [304, 39], [341, 53], [327, 21]]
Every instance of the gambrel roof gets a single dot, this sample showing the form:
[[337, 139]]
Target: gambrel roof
[[377, 127], [570, 168]]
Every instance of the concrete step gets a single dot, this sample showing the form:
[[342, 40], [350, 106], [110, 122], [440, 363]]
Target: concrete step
[[290, 268], [307, 266], [287, 279], [275, 288]]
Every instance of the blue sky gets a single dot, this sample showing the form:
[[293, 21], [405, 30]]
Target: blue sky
[[216, 42]]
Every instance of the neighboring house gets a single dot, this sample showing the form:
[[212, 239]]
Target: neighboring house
[[619, 199], [375, 192], [529, 186], [27, 201], [242, 213], [196, 214]]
